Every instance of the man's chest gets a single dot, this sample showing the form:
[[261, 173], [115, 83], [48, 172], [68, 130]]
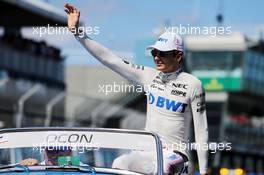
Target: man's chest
[[169, 95]]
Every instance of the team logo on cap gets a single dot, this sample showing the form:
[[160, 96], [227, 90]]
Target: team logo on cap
[[163, 40], [178, 43]]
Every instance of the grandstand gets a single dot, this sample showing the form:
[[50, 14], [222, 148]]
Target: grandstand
[[31, 72], [33, 89]]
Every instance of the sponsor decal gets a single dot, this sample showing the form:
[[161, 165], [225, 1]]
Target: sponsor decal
[[178, 43], [160, 89], [173, 157], [69, 138], [178, 93], [126, 62], [179, 85], [3, 139], [201, 106], [167, 104], [202, 103], [163, 40], [134, 65], [157, 77], [137, 66], [154, 86], [158, 82], [201, 109], [200, 95], [185, 169]]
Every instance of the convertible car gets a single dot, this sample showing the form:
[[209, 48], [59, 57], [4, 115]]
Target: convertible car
[[68, 151]]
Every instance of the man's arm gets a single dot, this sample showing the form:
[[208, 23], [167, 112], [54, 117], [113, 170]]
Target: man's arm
[[135, 73], [29, 162], [200, 125]]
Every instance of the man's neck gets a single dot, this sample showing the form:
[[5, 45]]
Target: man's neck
[[178, 69]]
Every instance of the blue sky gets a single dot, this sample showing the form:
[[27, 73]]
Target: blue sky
[[122, 22]]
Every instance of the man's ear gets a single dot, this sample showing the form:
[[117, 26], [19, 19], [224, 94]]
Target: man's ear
[[179, 57]]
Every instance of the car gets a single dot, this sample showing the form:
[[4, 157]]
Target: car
[[90, 151]]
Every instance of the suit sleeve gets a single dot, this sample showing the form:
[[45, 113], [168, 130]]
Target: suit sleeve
[[132, 72], [200, 125]]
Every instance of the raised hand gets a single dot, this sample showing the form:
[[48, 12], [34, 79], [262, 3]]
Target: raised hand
[[73, 16]]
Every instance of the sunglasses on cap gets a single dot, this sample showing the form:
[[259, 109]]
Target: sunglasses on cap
[[156, 52]]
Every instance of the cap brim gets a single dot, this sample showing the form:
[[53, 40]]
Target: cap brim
[[159, 48], [150, 47]]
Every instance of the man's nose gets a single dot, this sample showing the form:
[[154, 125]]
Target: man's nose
[[157, 57]]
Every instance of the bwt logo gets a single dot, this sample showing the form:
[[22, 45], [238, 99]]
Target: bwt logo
[[168, 104], [163, 40]]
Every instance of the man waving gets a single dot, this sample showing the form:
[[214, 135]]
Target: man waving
[[174, 97]]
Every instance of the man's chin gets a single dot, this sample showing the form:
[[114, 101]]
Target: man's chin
[[160, 68]]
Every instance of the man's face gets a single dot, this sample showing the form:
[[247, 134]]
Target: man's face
[[51, 156], [166, 61]]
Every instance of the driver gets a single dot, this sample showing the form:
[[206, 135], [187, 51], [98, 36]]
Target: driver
[[175, 98], [51, 156]]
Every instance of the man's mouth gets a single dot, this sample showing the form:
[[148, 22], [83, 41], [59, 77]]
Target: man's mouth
[[159, 63]]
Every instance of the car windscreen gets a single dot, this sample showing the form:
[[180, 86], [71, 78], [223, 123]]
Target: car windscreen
[[133, 151]]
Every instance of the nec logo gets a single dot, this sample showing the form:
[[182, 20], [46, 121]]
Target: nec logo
[[179, 85], [168, 104], [163, 40]]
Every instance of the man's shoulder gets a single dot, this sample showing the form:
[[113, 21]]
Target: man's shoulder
[[150, 72], [191, 79]]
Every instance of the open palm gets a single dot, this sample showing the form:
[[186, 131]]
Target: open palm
[[73, 16]]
